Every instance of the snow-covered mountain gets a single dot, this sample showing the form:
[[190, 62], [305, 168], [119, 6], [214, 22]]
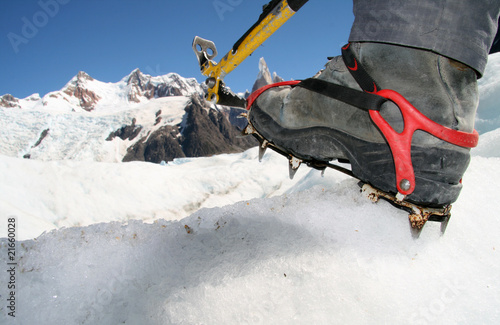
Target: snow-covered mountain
[[84, 93], [138, 118]]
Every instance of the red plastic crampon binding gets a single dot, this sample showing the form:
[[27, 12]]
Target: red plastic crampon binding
[[253, 96], [400, 143]]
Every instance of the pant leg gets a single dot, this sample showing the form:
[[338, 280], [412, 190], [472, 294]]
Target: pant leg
[[463, 30]]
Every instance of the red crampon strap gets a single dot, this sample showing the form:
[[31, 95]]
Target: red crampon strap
[[400, 143], [253, 96]]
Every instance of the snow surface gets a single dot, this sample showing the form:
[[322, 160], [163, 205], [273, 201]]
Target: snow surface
[[318, 254], [67, 193], [228, 240]]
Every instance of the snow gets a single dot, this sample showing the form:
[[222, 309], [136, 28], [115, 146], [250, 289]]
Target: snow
[[77, 134], [67, 193], [488, 115], [113, 97], [228, 240], [30, 102], [489, 146], [82, 135], [319, 253]]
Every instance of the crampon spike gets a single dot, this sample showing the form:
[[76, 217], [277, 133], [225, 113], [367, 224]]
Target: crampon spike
[[262, 149], [444, 224], [292, 172], [417, 215], [293, 166]]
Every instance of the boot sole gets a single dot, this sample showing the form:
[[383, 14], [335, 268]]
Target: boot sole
[[438, 169]]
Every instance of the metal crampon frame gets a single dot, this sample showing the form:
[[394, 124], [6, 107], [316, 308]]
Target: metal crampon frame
[[417, 215]]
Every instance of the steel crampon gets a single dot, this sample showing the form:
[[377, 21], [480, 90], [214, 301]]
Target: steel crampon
[[417, 215]]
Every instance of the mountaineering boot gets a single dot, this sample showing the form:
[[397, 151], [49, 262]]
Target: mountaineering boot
[[315, 127]]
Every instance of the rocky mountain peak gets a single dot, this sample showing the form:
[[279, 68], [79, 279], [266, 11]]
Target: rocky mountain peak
[[83, 76], [277, 78], [8, 100], [77, 88], [264, 76], [145, 86], [136, 77], [205, 131], [139, 85]]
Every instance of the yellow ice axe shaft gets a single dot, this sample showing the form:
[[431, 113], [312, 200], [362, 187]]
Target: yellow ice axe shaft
[[275, 14]]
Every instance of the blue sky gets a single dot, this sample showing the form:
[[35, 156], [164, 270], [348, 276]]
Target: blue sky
[[44, 43]]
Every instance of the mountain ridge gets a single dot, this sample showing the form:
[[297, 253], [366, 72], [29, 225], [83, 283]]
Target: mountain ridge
[[134, 88], [141, 117]]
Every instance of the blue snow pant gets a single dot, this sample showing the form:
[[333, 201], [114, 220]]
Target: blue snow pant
[[463, 30]]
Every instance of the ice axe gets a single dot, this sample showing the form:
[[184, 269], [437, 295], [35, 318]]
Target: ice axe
[[274, 15]]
